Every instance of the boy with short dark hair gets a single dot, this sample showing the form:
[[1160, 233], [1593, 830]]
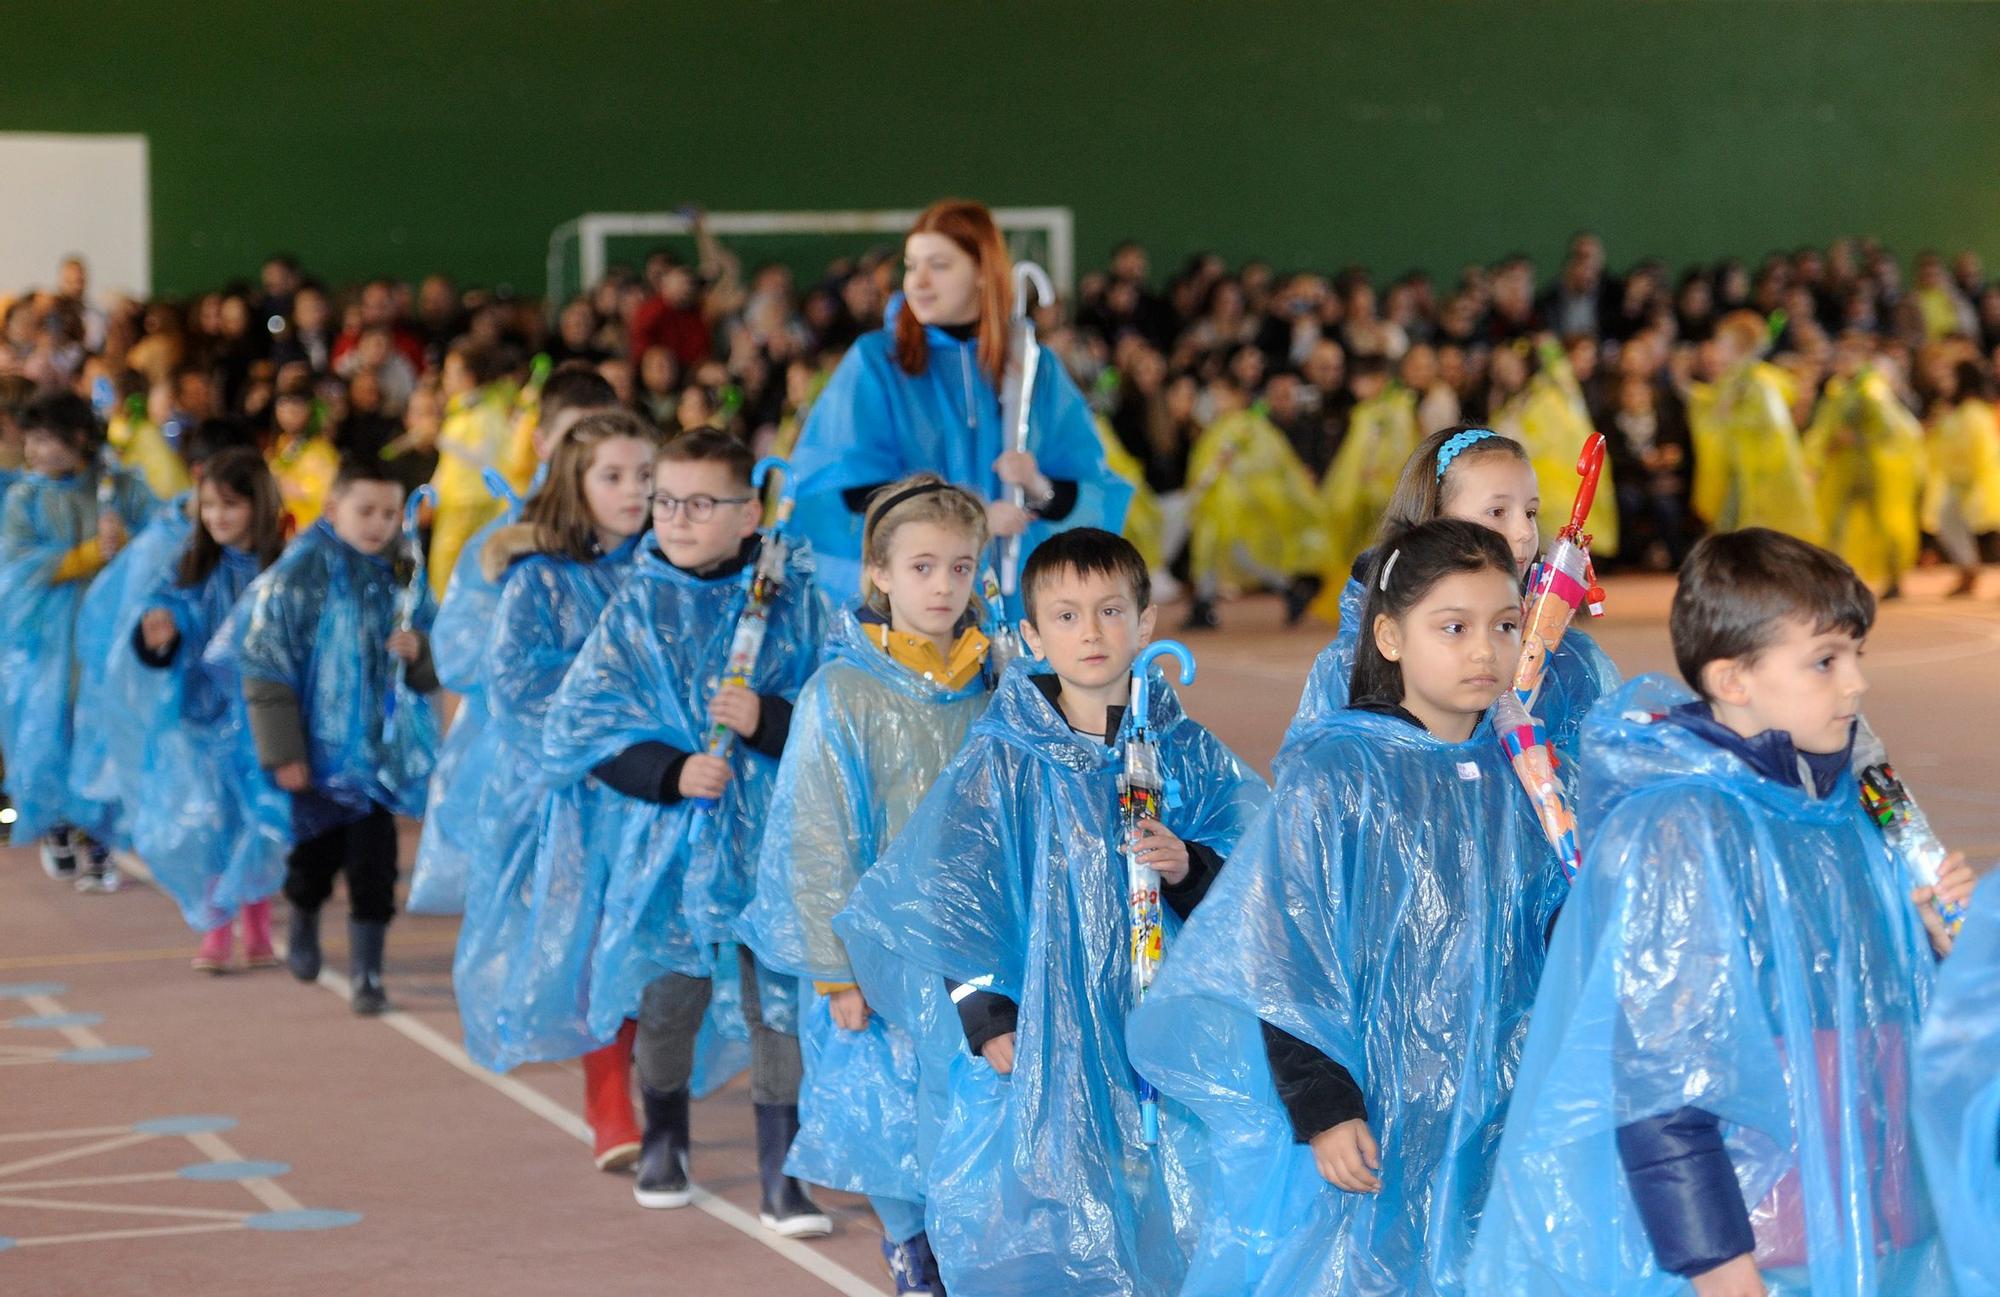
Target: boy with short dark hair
[[319, 648], [1716, 1085], [55, 537], [1008, 886]]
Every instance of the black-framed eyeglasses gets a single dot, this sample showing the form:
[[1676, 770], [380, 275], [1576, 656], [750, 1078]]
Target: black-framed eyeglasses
[[699, 508]]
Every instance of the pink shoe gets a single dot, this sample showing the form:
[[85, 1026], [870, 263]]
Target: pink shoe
[[257, 951], [213, 957]]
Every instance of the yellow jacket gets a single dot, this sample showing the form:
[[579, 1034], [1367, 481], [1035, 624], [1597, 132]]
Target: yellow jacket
[[1550, 419], [142, 447], [481, 432], [1749, 470], [1381, 436], [1865, 452], [1144, 523], [1252, 512], [305, 468], [1965, 465]]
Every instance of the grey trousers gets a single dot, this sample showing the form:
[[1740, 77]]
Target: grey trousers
[[670, 1014]]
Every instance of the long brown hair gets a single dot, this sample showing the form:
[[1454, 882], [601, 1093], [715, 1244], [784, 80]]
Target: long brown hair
[[242, 472], [1422, 491], [559, 513], [970, 226]]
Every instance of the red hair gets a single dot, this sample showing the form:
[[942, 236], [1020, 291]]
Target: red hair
[[970, 226]]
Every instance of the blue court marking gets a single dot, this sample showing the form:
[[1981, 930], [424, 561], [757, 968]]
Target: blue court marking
[[22, 990], [109, 1054], [233, 1170], [6, 1243], [57, 1021], [192, 1125], [311, 1218]]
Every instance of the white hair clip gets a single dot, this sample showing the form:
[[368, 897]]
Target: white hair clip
[[1387, 568]]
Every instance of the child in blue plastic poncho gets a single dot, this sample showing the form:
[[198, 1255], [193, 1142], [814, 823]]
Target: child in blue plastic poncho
[[336, 693], [905, 679], [1958, 1097], [669, 866], [459, 640], [53, 539], [1476, 475], [210, 825], [114, 695], [557, 568], [1716, 1089], [1009, 886], [1346, 1013]]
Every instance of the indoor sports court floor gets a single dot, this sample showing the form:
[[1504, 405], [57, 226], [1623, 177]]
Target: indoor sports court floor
[[163, 1132]]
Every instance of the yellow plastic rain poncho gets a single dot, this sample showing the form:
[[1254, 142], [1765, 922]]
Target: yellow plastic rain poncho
[[1866, 455], [143, 448], [1964, 468], [305, 467], [1144, 523], [1381, 436], [1549, 417], [1254, 517], [482, 429], [1749, 470]]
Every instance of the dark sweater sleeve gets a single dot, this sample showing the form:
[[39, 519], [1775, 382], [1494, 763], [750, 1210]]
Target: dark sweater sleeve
[[1317, 1092], [649, 771], [774, 726], [277, 726], [1203, 866], [984, 1015], [422, 674], [1686, 1190], [157, 659]]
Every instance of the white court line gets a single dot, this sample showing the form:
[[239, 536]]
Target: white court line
[[129, 1138], [112, 1235], [78, 1037], [88, 1132], [833, 1275], [91, 1181], [125, 1209]]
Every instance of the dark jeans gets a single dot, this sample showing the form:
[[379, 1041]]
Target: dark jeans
[[670, 1014], [364, 850]]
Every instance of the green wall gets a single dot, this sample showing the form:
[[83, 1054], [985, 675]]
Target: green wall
[[374, 137]]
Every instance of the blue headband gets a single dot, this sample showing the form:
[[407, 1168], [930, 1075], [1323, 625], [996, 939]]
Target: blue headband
[[1458, 445]]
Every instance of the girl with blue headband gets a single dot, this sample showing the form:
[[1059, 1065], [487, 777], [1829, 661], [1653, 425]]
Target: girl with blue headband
[[1476, 475]]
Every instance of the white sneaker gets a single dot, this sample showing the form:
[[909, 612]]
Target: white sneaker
[[58, 862], [101, 879]]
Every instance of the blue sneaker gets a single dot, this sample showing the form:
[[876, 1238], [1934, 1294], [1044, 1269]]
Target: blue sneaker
[[912, 1266]]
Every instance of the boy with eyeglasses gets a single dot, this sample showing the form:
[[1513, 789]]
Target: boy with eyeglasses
[[677, 862]]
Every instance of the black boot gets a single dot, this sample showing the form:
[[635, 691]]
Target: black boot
[[662, 1168], [1201, 615], [365, 942], [785, 1208], [302, 945]]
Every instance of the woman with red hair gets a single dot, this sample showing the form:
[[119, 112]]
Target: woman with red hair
[[922, 394]]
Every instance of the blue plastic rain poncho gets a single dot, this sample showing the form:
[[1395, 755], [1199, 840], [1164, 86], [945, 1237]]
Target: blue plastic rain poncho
[[1010, 877], [211, 825], [646, 674], [318, 622], [548, 605], [458, 649], [1958, 1098], [868, 738], [106, 765], [41, 520], [1390, 912], [1578, 674], [875, 424], [1735, 946]]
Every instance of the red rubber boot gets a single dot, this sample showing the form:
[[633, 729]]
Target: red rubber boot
[[607, 1101]]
